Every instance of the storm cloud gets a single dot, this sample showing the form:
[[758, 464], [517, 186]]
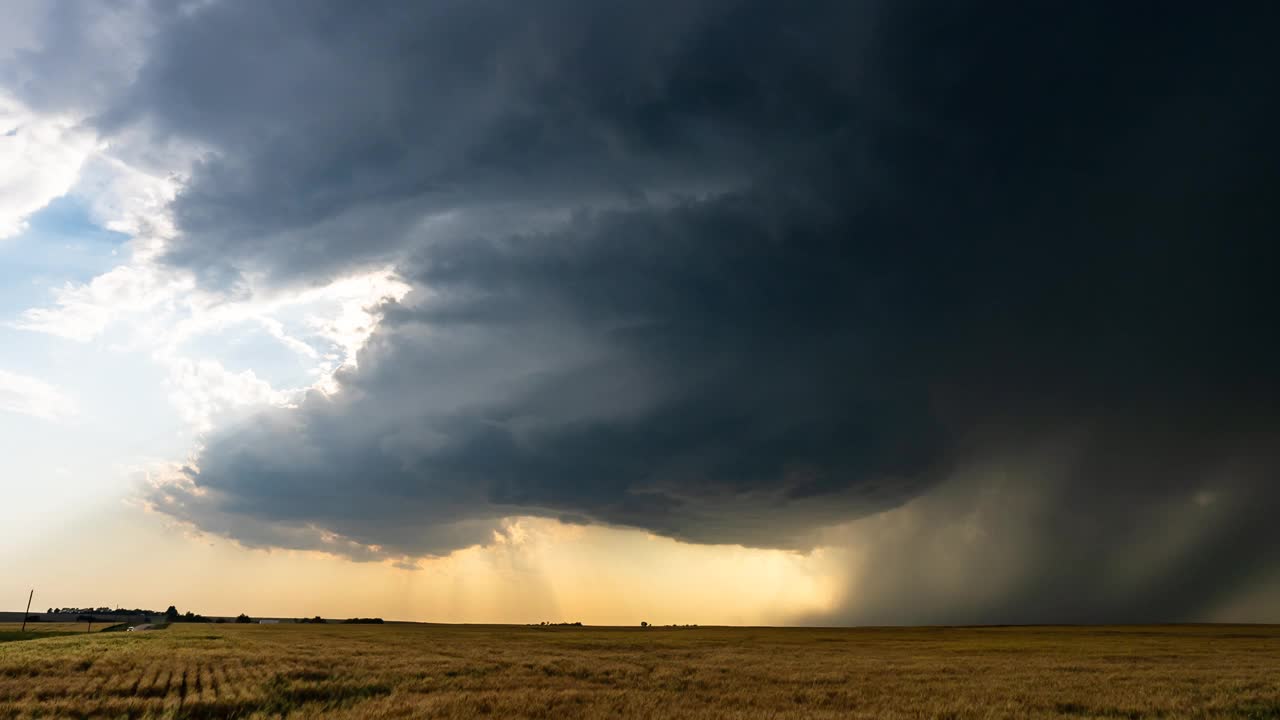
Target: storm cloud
[[334, 129], [731, 272]]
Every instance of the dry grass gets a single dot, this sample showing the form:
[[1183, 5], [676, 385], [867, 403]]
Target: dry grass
[[53, 626], [10, 632], [416, 671]]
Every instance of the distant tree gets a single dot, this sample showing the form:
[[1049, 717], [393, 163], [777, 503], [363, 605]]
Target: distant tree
[[171, 614], [187, 617], [242, 618], [50, 611], [220, 620], [644, 624], [33, 618]]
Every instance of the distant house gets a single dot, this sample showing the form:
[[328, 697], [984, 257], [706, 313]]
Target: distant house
[[268, 622]]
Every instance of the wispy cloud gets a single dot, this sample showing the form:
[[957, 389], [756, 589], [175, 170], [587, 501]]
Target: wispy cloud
[[28, 396]]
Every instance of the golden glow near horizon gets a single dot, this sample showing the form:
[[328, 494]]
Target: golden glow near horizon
[[539, 570]]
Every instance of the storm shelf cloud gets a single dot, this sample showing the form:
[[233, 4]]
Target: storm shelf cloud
[[983, 291]]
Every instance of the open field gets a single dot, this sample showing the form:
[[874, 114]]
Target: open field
[[10, 632], [410, 671]]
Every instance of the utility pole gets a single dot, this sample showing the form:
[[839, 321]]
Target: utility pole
[[28, 612]]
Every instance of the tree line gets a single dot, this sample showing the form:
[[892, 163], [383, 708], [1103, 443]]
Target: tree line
[[173, 615]]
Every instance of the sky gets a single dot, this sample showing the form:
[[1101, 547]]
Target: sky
[[711, 311]]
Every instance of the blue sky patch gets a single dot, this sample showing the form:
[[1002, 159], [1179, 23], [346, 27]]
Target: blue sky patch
[[61, 244]]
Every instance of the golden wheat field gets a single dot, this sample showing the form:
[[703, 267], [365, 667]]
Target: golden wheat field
[[11, 630], [436, 671]]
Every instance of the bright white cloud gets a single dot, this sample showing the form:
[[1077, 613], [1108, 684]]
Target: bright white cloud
[[203, 391], [40, 159], [83, 311], [160, 311], [28, 396]]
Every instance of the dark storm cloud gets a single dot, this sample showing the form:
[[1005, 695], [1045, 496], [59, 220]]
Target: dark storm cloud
[[334, 127], [75, 56], [734, 273]]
